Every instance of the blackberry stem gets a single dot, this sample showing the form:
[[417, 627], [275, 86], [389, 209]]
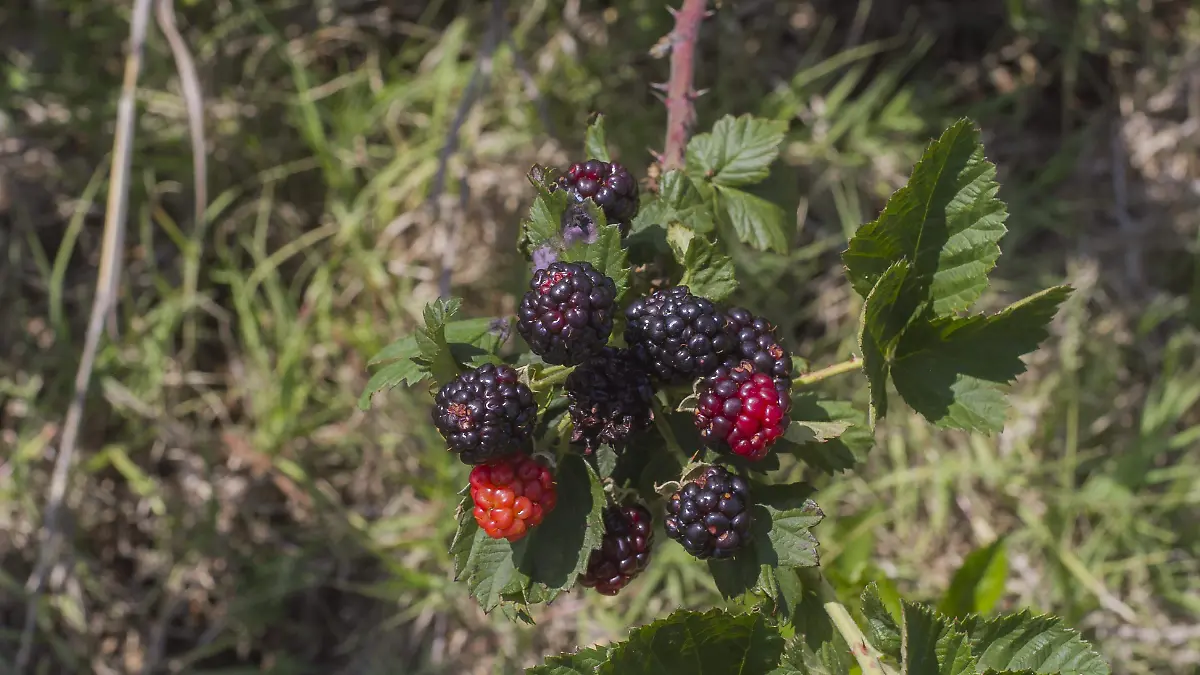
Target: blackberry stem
[[869, 658], [551, 376], [827, 372], [681, 111]]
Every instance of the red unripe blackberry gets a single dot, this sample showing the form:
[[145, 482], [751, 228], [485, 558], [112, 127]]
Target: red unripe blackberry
[[624, 551], [677, 336], [710, 516], [742, 409], [485, 413], [567, 314], [610, 397], [511, 496], [611, 186]]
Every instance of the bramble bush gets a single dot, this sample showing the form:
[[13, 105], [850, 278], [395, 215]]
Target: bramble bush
[[622, 340]]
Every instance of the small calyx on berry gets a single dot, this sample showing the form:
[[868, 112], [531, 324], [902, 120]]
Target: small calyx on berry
[[485, 413], [710, 515], [624, 551], [512, 495], [567, 314]]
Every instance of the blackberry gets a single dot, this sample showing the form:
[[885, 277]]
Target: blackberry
[[485, 413], [567, 315], [511, 495], [609, 398], [743, 409], [710, 516], [623, 553], [756, 340], [610, 186], [676, 335]]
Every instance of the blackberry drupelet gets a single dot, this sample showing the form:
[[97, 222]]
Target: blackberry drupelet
[[710, 516], [677, 336], [756, 340], [511, 495], [610, 397], [611, 186], [567, 315], [485, 413], [742, 409], [624, 551]]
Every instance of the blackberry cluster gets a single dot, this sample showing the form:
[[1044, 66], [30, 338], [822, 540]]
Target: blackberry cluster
[[677, 336], [609, 397], [567, 314], [485, 413], [743, 409], [624, 551], [710, 516], [512, 495], [611, 186], [755, 340]]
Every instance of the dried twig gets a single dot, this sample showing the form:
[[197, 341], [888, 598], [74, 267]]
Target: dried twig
[[680, 100], [193, 98], [483, 68], [106, 290]]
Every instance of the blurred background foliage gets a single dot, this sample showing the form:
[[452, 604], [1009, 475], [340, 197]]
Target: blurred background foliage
[[232, 511]]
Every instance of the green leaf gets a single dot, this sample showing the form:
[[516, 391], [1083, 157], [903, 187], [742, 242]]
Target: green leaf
[[594, 141], [782, 538], [680, 201], [835, 453], [715, 642], [435, 349], [884, 631], [932, 645], [946, 221], [889, 309], [756, 221], [431, 340], [708, 272], [738, 151], [485, 564], [582, 662], [829, 658], [605, 254], [393, 374], [979, 583], [549, 559], [483, 332], [1029, 642], [953, 370], [544, 224], [606, 461]]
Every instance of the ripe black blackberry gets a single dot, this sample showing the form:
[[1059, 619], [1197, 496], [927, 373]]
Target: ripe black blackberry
[[756, 340], [611, 186], [676, 335], [624, 551], [485, 413], [567, 315], [710, 516], [610, 397]]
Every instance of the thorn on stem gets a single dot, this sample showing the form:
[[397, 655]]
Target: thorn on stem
[[697, 93]]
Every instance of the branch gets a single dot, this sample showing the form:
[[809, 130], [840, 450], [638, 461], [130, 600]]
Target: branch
[[106, 289], [869, 659], [827, 372], [681, 110]]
